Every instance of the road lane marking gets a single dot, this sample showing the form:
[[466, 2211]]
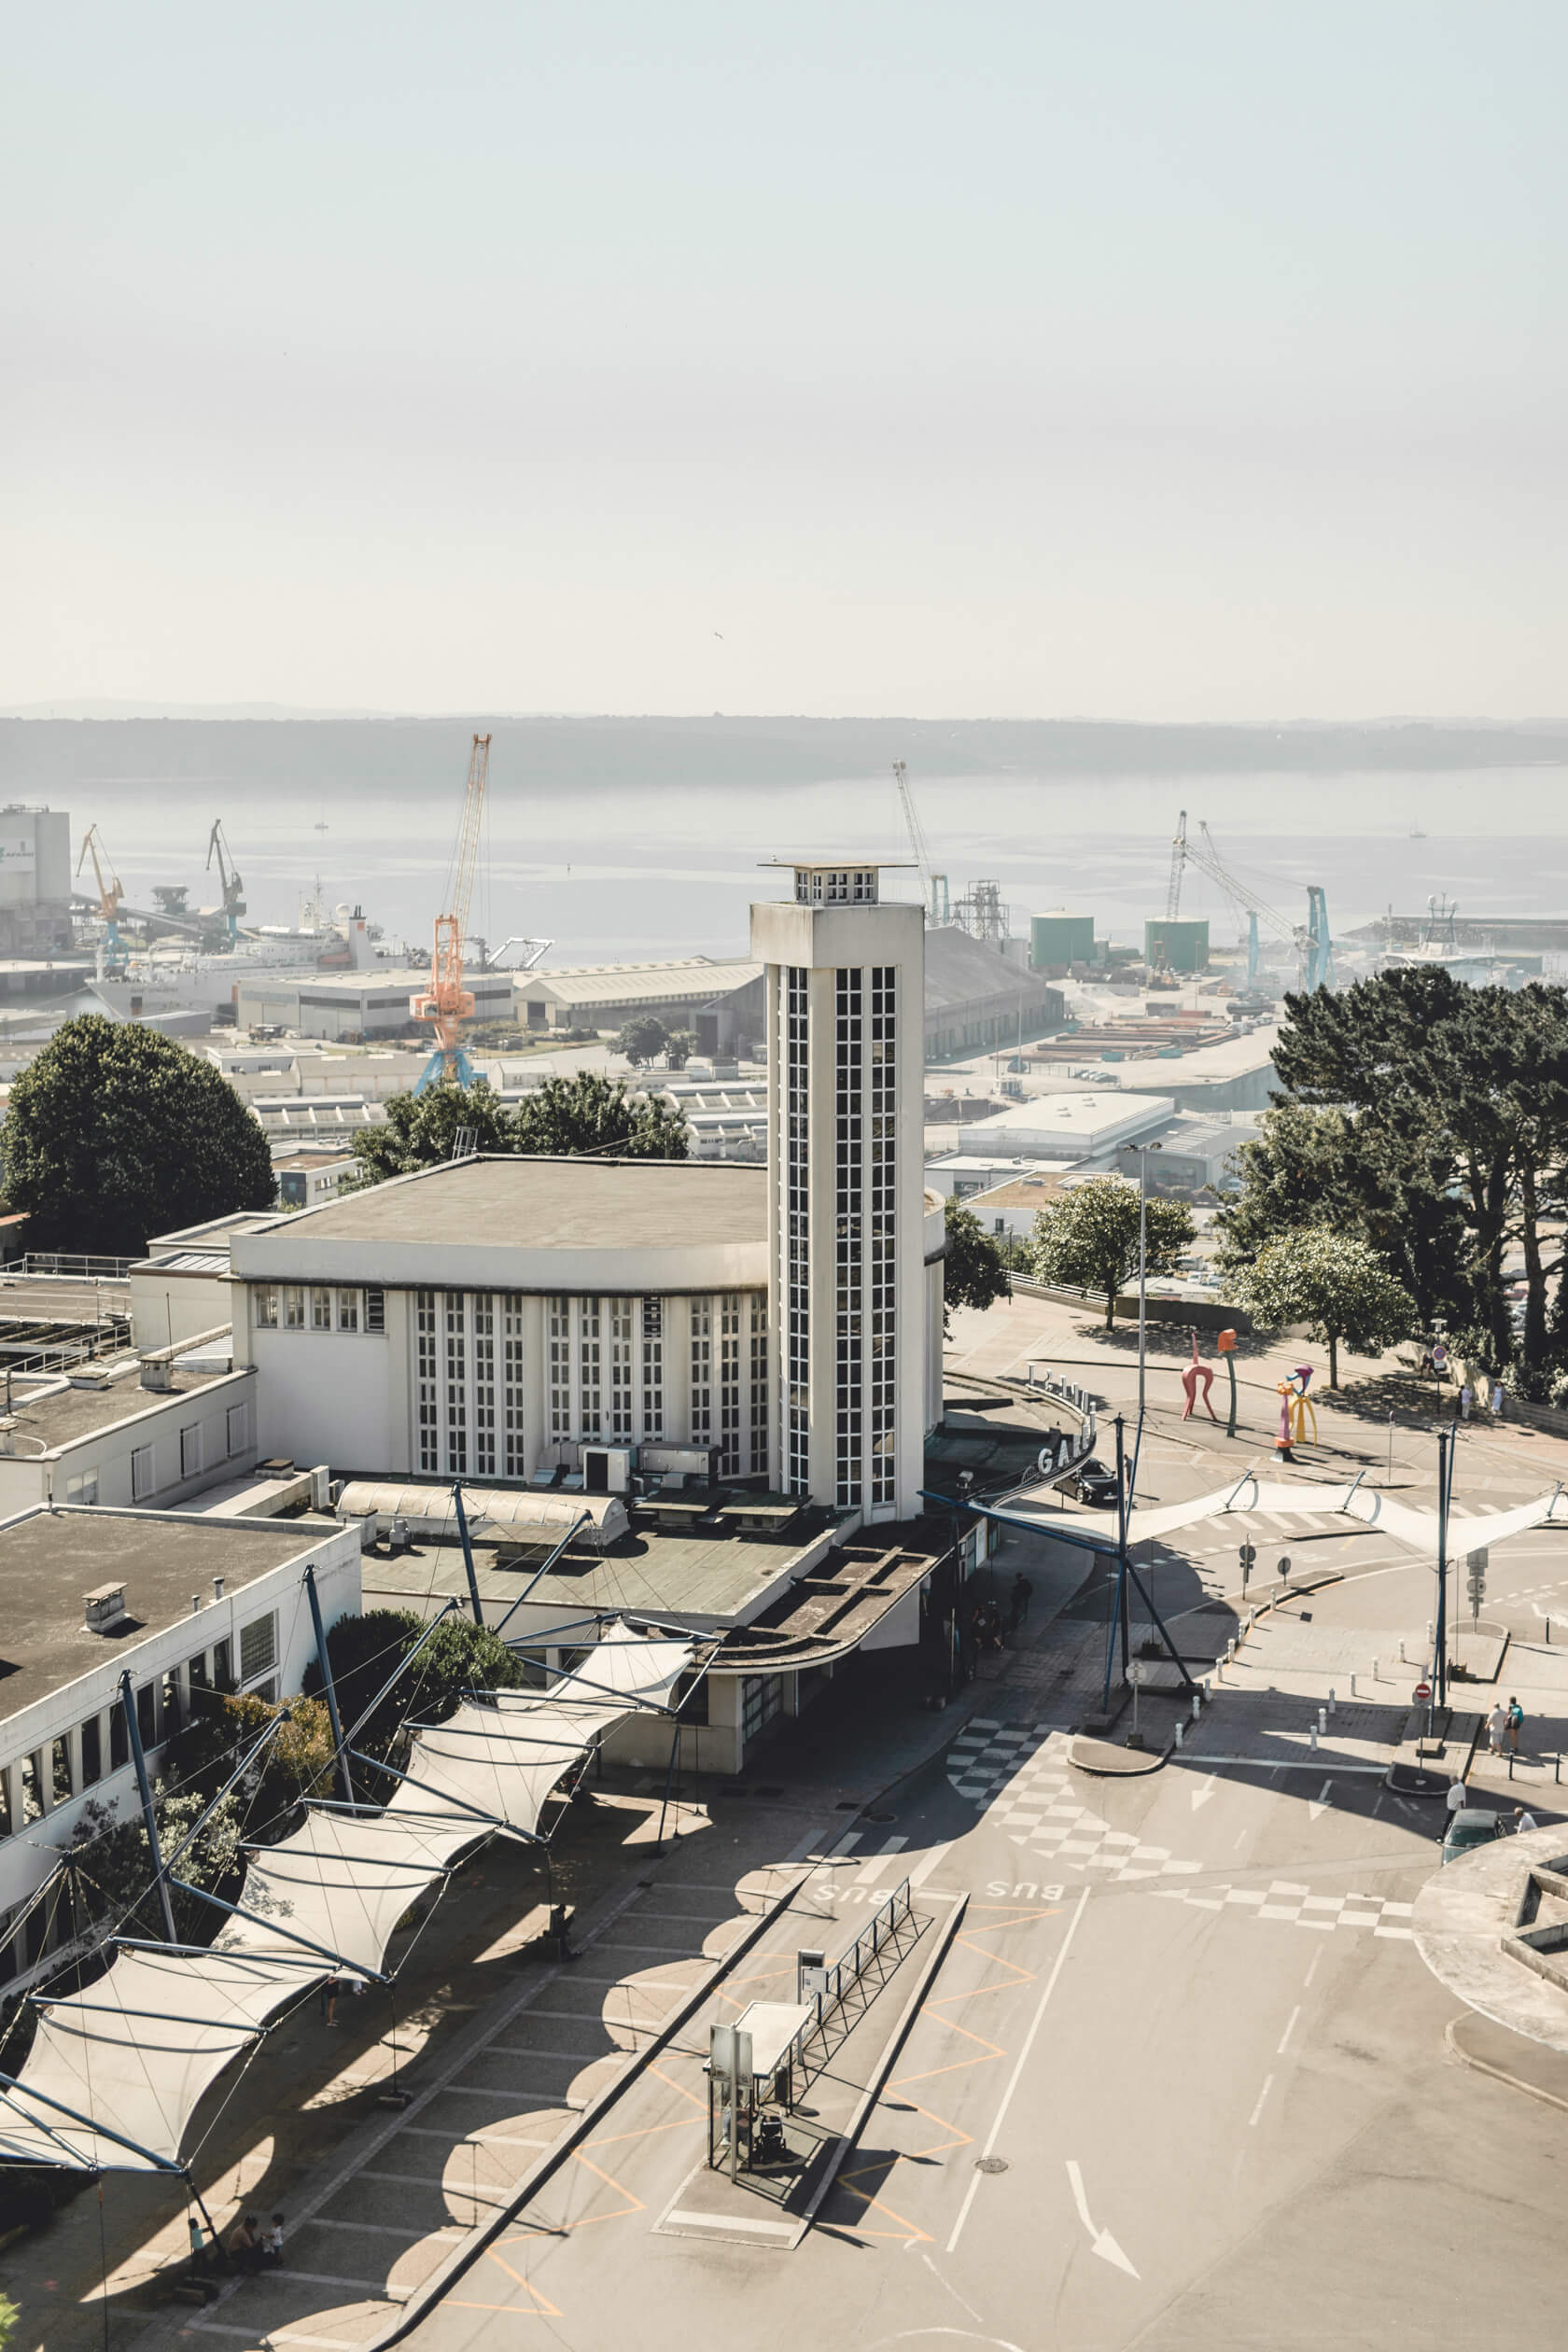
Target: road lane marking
[[1016, 2074], [1319, 1803], [1289, 2028], [873, 1869], [1203, 1793], [922, 1871], [1101, 2241], [1267, 2086], [1312, 1970]]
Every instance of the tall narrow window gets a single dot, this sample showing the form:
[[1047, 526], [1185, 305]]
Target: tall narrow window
[[794, 1026], [456, 1381], [560, 1369], [266, 1297], [758, 1382], [427, 1380], [652, 1367], [485, 1383], [729, 1384], [620, 1370], [590, 1410], [881, 1401], [849, 1179], [702, 1371], [516, 1465]]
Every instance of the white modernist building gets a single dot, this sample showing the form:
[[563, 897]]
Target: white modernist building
[[502, 1319]]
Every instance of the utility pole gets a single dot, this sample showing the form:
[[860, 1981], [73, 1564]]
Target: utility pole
[[150, 1819], [1143, 1151]]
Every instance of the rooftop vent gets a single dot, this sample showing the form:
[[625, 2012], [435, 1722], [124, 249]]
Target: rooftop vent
[[157, 1373], [104, 1607]]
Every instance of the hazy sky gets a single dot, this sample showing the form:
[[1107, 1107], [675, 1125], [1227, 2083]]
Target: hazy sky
[[1139, 361]]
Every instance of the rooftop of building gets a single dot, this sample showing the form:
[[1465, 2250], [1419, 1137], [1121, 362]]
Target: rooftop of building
[[563, 1204], [52, 1560], [675, 976], [1079, 1113], [1027, 1191], [47, 1413]]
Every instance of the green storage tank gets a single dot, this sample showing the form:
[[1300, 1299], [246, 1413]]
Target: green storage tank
[[1060, 939], [1176, 947]]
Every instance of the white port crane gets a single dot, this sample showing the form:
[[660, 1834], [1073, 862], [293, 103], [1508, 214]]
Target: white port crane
[[933, 887]]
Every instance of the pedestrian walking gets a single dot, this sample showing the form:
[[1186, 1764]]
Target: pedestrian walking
[[1023, 1593], [1497, 1401], [271, 2240], [1457, 1798], [1497, 1723], [1464, 1402], [1516, 1723], [330, 1989]]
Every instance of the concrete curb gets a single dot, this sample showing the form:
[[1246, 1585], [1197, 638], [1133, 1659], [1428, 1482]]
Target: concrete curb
[[1154, 1761], [1480, 2065], [874, 2089], [430, 2290]]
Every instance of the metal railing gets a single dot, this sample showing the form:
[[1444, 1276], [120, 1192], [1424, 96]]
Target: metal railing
[[69, 1265], [845, 1973], [109, 1336]]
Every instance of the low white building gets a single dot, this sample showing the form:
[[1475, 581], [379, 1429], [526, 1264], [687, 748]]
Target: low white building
[[961, 1175], [125, 1433], [183, 1604], [355, 1005], [1070, 1127], [181, 1287]]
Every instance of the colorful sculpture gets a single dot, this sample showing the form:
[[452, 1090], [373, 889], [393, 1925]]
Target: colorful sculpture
[[1295, 1406], [1194, 1373]]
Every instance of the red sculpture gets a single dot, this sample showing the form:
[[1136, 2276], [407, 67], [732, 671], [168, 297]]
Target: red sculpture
[[1194, 1373]]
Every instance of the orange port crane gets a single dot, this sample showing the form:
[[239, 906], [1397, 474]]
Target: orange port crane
[[446, 1004], [109, 896]]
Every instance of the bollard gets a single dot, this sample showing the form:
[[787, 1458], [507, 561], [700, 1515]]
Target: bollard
[[1353, 1686], [1548, 1632], [1403, 1660], [1510, 1763], [1331, 1701], [1197, 1706], [1312, 1734], [1322, 1721], [1181, 1728]]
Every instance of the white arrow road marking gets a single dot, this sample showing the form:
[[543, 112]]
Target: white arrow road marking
[[1104, 2244], [1319, 1803], [1203, 1793]]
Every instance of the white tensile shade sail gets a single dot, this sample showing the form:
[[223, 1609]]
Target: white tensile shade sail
[[502, 1755], [136, 2050], [341, 1881], [1360, 1505]]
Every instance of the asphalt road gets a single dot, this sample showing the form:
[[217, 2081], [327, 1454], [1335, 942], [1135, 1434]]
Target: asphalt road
[[1217, 2095]]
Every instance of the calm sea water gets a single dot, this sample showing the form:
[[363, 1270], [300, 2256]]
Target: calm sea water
[[616, 871]]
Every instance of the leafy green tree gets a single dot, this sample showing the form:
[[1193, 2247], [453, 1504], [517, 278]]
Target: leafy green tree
[[1474, 1082], [10, 2320], [296, 1763], [115, 1877], [1334, 1284], [643, 1037], [421, 1130], [680, 1045], [1327, 1167], [364, 1651], [589, 1113], [1087, 1240], [115, 1133], [973, 1272]]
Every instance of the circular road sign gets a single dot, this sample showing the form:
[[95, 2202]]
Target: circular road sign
[[1423, 1691]]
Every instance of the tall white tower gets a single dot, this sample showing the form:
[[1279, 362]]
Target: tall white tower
[[845, 1029]]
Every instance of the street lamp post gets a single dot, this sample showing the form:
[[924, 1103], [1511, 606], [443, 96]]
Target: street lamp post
[[1143, 1151]]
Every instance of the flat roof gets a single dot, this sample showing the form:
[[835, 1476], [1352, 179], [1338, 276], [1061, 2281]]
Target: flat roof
[[52, 1558], [687, 1576], [549, 1204], [59, 1415]]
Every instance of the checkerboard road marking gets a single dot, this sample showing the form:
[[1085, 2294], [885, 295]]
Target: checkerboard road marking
[[1041, 1811], [1299, 1907]]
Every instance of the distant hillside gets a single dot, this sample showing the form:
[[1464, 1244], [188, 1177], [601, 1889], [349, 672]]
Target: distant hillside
[[41, 758]]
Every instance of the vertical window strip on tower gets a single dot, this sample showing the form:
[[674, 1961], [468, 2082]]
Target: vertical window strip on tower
[[795, 1025], [427, 1380], [702, 1371], [485, 1383], [620, 1369], [514, 1459], [652, 1367], [590, 1415], [560, 1369], [848, 1177], [758, 1382], [884, 1233], [456, 1382], [729, 1384]]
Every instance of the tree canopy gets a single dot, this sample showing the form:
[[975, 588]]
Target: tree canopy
[[643, 1036], [364, 1651], [1087, 1238], [974, 1273], [1339, 1286], [115, 1133], [561, 1117], [1453, 1139]]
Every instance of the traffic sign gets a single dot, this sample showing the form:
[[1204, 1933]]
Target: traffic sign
[[1249, 1553], [1284, 1563], [1422, 1692]]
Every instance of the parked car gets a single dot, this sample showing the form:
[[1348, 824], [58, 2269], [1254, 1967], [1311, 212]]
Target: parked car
[[1092, 1482], [1471, 1827]]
